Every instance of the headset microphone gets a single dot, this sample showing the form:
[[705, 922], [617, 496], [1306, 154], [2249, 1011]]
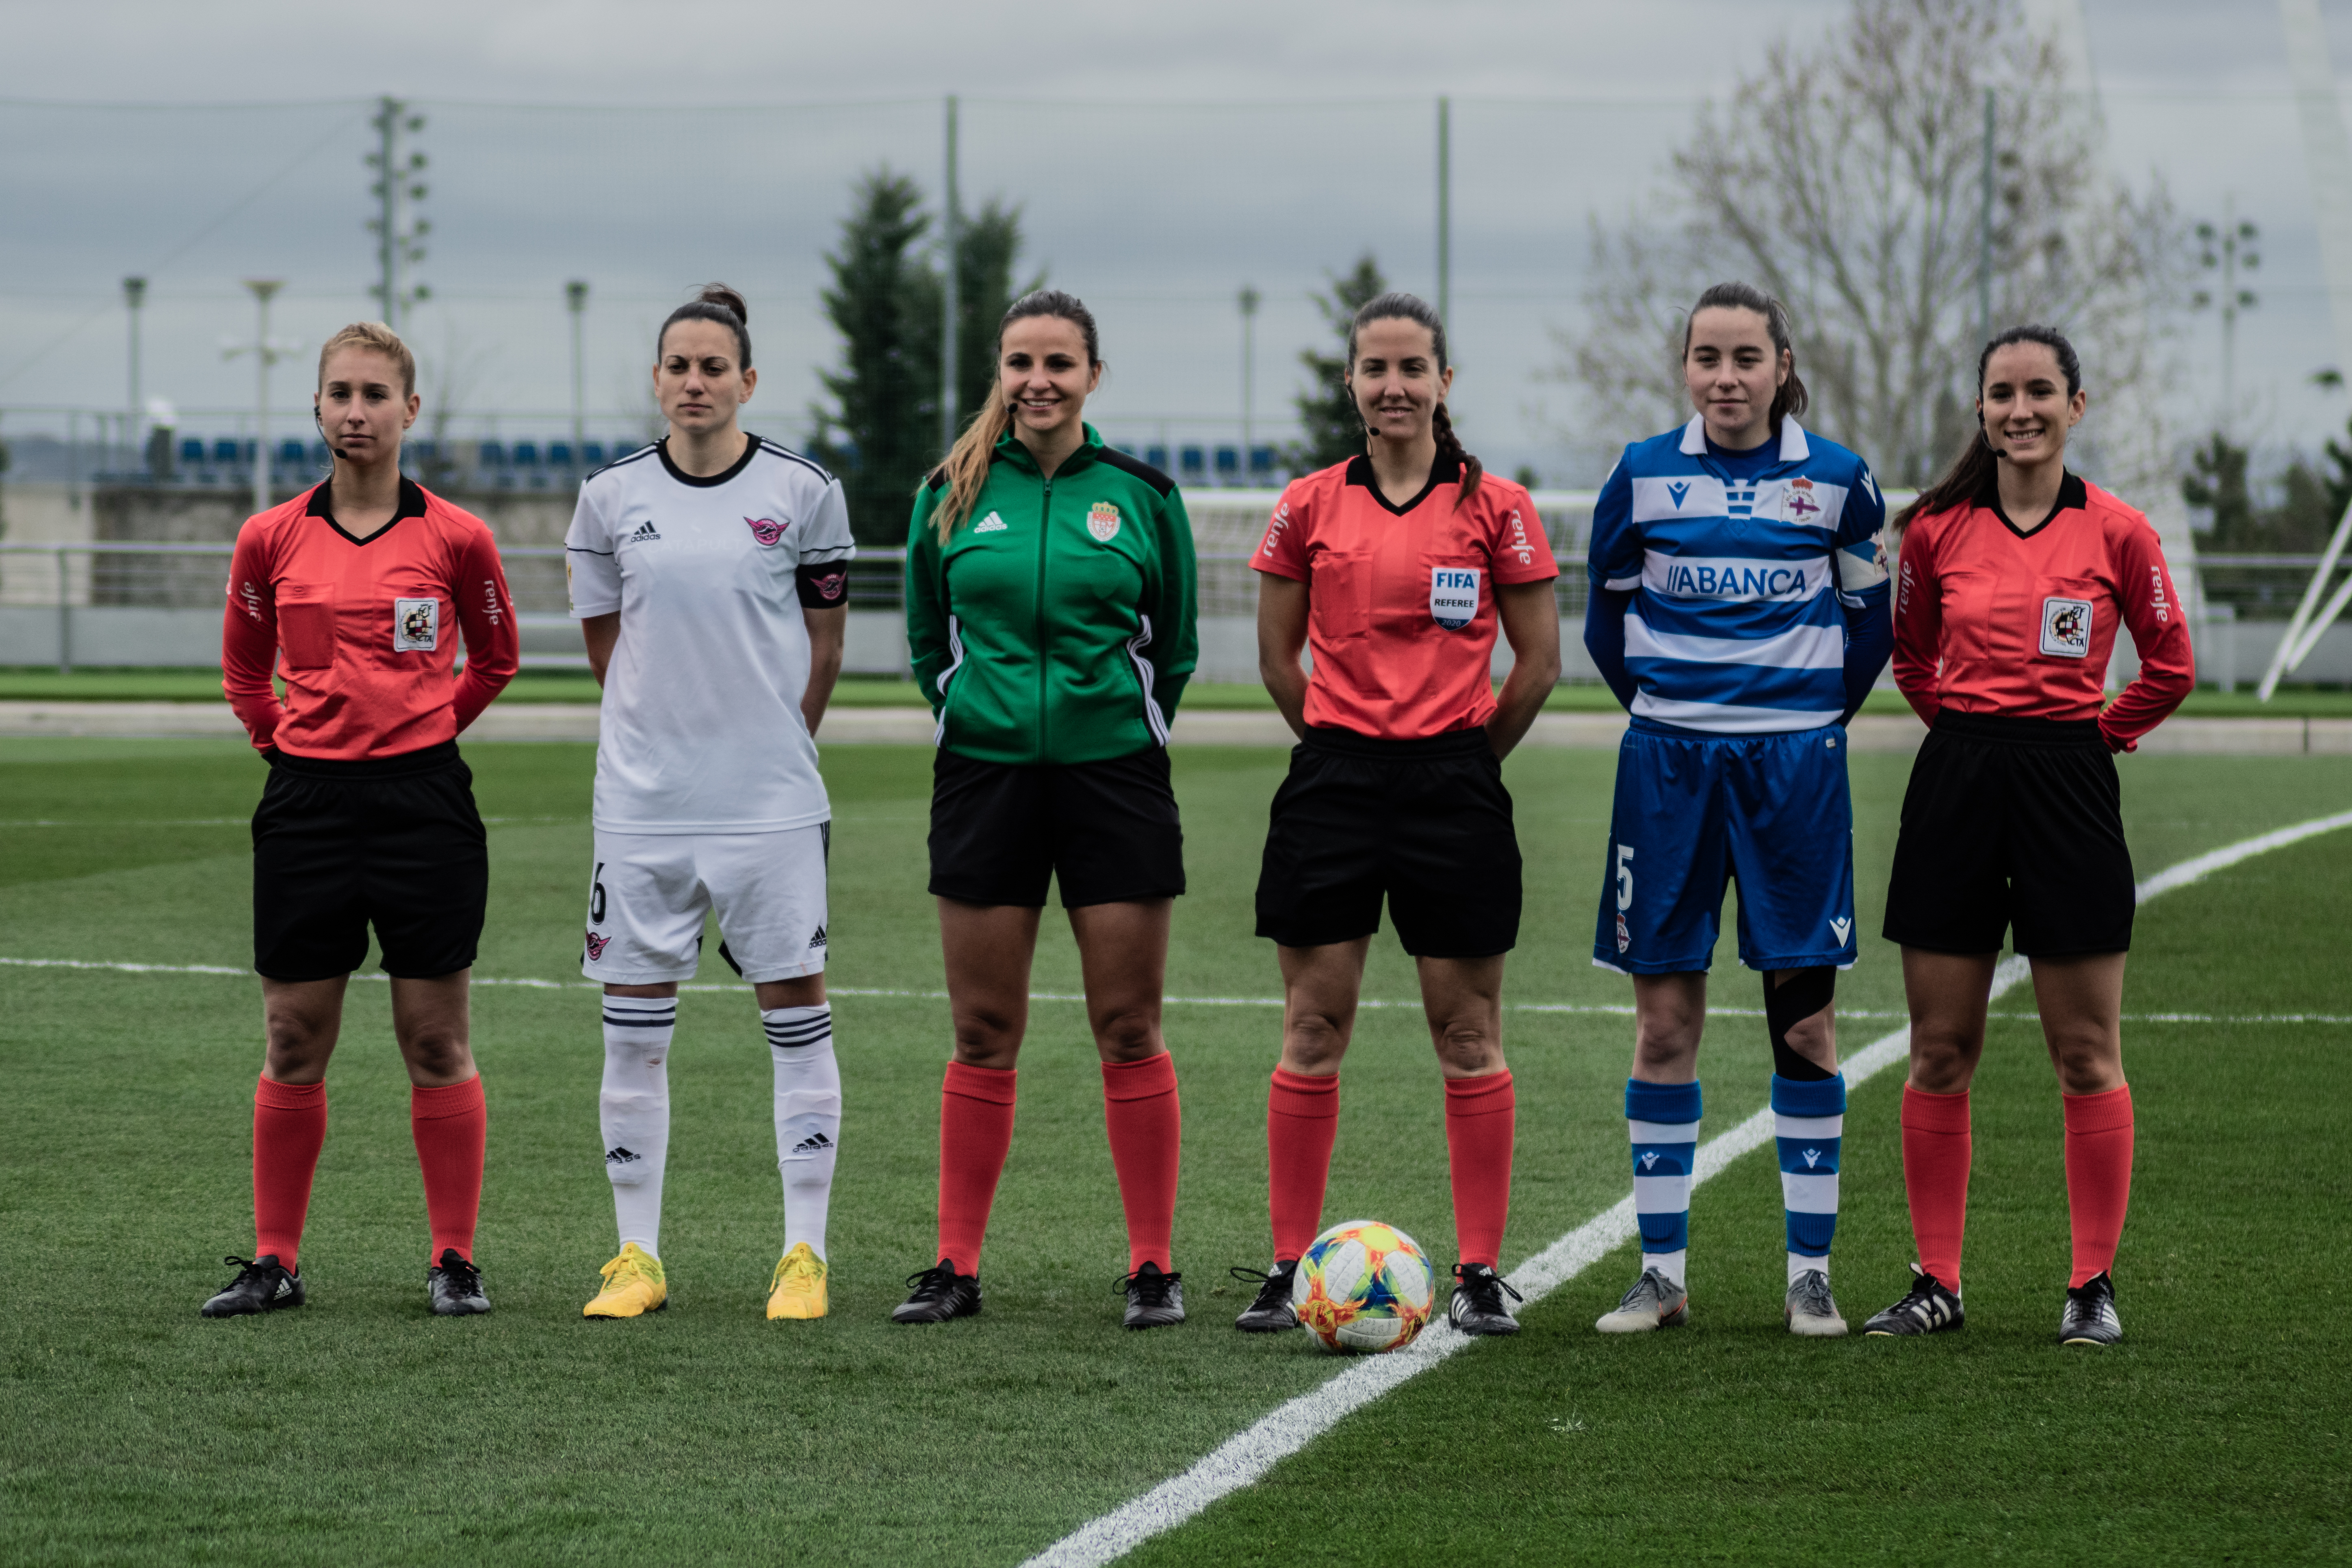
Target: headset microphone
[[321, 424]]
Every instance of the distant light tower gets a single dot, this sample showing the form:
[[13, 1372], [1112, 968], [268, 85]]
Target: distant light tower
[[399, 234], [266, 352], [575, 299], [2225, 250], [1248, 300], [134, 296]]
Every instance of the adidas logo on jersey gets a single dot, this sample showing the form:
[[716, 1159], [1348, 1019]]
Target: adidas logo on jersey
[[815, 1143], [646, 533], [818, 940], [991, 523]]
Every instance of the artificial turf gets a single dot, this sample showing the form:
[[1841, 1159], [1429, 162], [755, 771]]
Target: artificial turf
[[360, 1429]]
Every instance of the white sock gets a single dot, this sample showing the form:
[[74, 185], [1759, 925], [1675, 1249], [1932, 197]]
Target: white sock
[[1800, 1263], [634, 1111], [808, 1117]]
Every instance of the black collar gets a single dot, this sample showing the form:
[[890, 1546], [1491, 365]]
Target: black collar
[[412, 504], [707, 481], [2072, 492], [1443, 471]]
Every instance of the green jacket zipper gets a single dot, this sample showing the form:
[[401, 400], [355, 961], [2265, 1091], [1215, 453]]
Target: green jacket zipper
[[1045, 652]]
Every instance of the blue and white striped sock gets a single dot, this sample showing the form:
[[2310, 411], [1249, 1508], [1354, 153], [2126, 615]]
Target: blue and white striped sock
[[1809, 1119], [1662, 1119]]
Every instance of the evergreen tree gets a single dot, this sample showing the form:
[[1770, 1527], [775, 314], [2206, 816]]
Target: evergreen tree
[[1333, 430], [882, 433], [2218, 485]]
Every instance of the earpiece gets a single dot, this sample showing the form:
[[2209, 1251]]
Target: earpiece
[[321, 424]]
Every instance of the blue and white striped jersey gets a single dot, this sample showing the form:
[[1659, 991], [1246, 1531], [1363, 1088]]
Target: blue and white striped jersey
[[1735, 626]]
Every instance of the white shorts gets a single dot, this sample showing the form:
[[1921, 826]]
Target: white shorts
[[650, 891]]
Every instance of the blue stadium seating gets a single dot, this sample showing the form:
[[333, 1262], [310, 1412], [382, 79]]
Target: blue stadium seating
[[1229, 465], [228, 452], [1260, 462], [1190, 460], [592, 454], [1157, 456], [191, 453], [559, 454]]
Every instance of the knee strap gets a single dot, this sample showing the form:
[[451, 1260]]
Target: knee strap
[[1802, 994]]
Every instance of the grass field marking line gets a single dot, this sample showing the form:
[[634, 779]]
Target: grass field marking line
[[2229, 855]]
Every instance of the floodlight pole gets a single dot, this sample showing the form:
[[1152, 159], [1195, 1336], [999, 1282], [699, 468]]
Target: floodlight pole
[[1984, 231], [1445, 210], [952, 307], [265, 355], [1249, 302], [134, 295], [575, 299]]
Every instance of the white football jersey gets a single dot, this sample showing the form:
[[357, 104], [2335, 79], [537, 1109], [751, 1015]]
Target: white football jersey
[[701, 728]]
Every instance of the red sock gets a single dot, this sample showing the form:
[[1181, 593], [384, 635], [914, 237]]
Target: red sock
[[289, 1124], [975, 1134], [450, 1126], [1481, 1119], [1302, 1117], [1937, 1148], [2098, 1177], [1147, 1127]]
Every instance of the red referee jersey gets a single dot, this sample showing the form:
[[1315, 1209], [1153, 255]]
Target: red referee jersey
[[364, 631], [1991, 620], [1401, 598]]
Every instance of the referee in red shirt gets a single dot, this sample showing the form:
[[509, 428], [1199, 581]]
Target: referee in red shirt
[[1397, 567], [2013, 578], [356, 592]]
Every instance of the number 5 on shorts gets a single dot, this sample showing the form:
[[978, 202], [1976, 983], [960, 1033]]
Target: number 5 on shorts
[[1625, 876]]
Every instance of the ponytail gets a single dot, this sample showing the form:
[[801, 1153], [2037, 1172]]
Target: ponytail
[[1397, 305], [1449, 447], [1978, 463], [966, 468]]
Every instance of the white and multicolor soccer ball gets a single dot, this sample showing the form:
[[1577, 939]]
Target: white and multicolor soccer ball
[[1363, 1286]]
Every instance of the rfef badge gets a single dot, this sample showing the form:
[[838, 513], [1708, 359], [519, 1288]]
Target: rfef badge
[[2066, 627], [415, 625], [1453, 596]]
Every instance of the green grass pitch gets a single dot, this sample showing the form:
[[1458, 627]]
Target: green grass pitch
[[362, 1430]]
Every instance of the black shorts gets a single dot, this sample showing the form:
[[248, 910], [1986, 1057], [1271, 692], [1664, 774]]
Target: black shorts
[[392, 842], [1107, 830], [1425, 823], [2012, 822]]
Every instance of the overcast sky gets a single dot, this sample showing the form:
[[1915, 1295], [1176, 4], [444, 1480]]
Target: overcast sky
[[1164, 156]]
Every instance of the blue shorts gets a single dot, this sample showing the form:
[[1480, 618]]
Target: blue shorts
[[1694, 811]]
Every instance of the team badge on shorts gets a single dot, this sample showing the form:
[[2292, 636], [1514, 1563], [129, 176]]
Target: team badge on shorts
[[1624, 935], [1102, 521], [1453, 596], [2066, 627], [766, 530], [415, 625], [596, 946]]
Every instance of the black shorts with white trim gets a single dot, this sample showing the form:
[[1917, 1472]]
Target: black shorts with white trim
[[2007, 823], [1424, 824], [389, 842]]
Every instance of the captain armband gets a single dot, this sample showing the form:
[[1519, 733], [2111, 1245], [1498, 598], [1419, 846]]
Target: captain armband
[[1862, 565], [824, 585]]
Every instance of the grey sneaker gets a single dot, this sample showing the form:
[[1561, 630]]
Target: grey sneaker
[[1154, 1299], [1271, 1311], [1654, 1302], [2090, 1315], [1927, 1308], [453, 1286], [1810, 1311]]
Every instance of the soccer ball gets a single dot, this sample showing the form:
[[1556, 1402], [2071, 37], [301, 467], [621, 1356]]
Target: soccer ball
[[1363, 1286]]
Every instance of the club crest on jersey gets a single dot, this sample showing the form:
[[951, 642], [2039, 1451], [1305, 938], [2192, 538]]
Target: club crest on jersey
[[1102, 521], [2066, 627], [1797, 501], [1453, 596], [596, 946], [766, 530], [415, 625]]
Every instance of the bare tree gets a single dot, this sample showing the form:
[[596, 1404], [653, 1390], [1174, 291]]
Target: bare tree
[[1847, 181]]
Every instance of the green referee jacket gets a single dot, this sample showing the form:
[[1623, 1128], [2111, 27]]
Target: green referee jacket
[[1058, 624]]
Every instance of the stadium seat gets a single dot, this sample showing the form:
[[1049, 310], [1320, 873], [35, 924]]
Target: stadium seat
[[1260, 462], [1191, 458], [559, 454], [1157, 456], [592, 454], [1229, 465], [227, 452], [290, 454], [191, 453]]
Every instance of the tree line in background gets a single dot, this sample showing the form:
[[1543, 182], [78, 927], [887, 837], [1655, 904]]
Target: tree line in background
[[2308, 503]]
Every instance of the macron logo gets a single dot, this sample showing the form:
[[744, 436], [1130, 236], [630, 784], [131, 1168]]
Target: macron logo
[[1679, 488], [991, 523], [1649, 1159], [1812, 1157], [1839, 928]]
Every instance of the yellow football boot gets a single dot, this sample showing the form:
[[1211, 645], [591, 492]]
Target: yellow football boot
[[798, 1288], [633, 1286]]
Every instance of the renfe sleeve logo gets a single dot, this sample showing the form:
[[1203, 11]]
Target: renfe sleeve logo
[[1453, 596]]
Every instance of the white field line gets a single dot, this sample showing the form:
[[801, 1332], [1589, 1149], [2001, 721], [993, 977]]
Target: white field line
[[222, 969], [1241, 1460]]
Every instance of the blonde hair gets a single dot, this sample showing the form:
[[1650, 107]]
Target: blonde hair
[[966, 468], [382, 340]]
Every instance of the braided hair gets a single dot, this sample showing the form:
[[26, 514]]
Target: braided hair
[[1397, 305], [1978, 462]]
